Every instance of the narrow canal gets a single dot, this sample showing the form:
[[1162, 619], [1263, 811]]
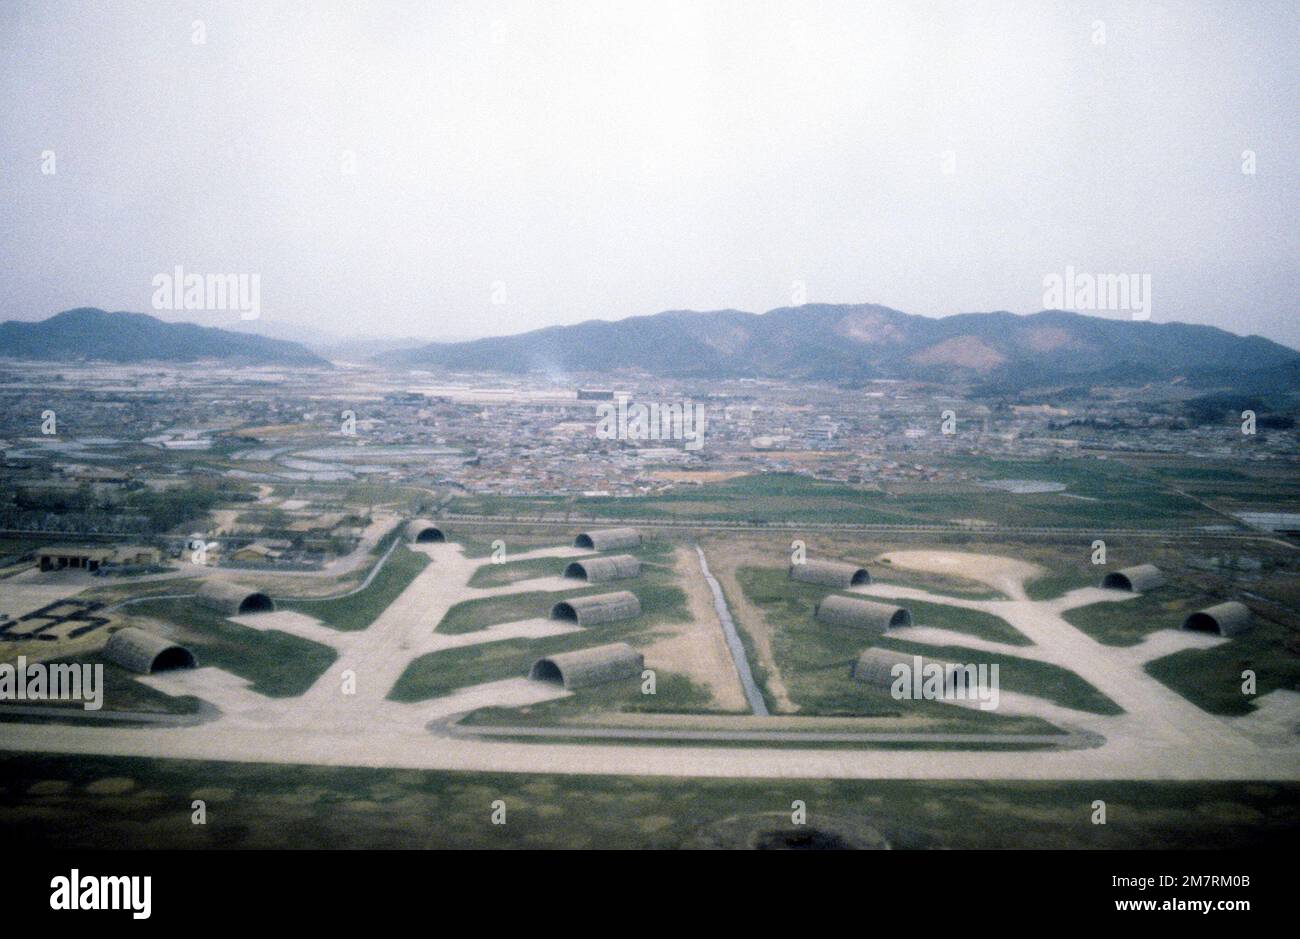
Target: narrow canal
[[752, 694]]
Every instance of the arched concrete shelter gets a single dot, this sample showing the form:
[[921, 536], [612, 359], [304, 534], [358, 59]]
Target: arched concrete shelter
[[599, 570], [585, 667], [862, 614], [830, 573], [1137, 579], [146, 652], [875, 667], [423, 531], [599, 608], [1226, 619], [608, 539], [232, 599]]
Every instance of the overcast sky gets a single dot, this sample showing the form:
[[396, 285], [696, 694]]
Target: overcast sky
[[520, 165]]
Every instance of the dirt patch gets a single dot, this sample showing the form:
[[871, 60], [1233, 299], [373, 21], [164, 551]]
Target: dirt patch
[[697, 648], [690, 476], [964, 351], [724, 560], [1000, 573]]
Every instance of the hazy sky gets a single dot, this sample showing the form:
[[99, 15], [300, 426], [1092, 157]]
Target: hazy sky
[[518, 165]]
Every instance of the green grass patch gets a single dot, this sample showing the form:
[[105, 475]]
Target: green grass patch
[[480, 545], [440, 673], [1123, 498], [1025, 676], [358, 610], [815, 661], [961, 620], [884, 573], [772, 590], [674, 694], [1128, 622], [1053, 585], [275, 663], [1211, 678], [472, 615], [511, 572], [659, 604], [121, 692]]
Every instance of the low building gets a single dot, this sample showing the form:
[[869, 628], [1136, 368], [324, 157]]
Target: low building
[[424, 531], [1226, 619], [599, 570], [146, 652], [881, 668], [1137, 579], [75, 557], [830, 573], [72, 557], [585, 667], [862, 614], [232, 599], [608, 539], [598, 608]]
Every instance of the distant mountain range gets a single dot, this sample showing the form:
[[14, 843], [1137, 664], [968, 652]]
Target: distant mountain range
[[843, 344], [860, 342], [89, 334]]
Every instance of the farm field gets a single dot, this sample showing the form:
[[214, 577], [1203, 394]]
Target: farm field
[[1101, 495]]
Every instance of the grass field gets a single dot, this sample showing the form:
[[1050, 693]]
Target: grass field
[[1130, 622], [1025, 676], [52, 802], [478, 544], [1057, 583], [359, 610], [884, 573], [791, 602], [1236, 487], [276, 664], [471, 615], [816, 660], [659, 603], [121, 691], [439, 673], [510, 572], [1113, 495], [674, 694], [971, 622], [1212, 678]]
